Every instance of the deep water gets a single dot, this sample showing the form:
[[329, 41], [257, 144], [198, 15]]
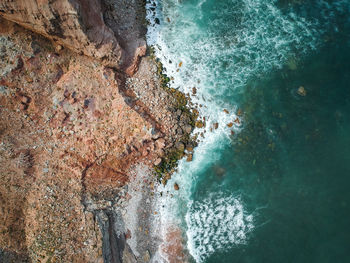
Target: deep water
[[278, 190]]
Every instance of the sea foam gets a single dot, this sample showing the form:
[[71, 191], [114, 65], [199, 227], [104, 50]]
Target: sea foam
[[241, 40]]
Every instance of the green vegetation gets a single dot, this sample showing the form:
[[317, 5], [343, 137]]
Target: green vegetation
[[172, 156]]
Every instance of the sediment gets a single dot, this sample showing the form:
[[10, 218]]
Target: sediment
[[80, 107]]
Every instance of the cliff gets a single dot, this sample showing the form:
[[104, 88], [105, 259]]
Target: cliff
[[110, 30], [73, 125]]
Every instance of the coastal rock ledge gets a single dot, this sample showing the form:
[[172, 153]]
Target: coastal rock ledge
[[80, 107]]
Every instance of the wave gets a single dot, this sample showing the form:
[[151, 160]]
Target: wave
[[217, 47]]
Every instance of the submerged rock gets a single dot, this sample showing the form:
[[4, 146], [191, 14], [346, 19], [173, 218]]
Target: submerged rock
[[302, 91]]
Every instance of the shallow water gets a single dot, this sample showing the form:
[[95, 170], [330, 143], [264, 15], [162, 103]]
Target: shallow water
[[276, 190]]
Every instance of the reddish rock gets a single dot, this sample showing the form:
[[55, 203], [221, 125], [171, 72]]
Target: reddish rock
[[189, 158], [237, 121], [80, 26], [194, 91], [160, 143], [176, 187]]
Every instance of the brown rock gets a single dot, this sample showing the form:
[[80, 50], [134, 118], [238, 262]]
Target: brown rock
[[160, 143], [58, 48], [180, 146], [128, 234], [194, 91], [80, 26], [189, 148], [230, 124], [158, 161], [188, 129], [23, 106], [176, 187], [216, 125], [144, 152], [226, 111], [25, 99], [189, 158], [199, 124]]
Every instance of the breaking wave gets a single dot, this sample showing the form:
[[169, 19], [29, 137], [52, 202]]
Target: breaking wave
[[217, 47]]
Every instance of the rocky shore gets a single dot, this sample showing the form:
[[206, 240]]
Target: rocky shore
[[85, 121]]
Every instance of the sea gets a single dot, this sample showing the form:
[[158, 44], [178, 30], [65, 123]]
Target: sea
[[270, 178]]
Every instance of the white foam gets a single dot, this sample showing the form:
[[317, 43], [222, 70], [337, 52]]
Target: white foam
[[263, 39], [216, 223]]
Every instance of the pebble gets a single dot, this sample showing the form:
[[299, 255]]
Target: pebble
[[216, 125], [230, 124], [176, 187]]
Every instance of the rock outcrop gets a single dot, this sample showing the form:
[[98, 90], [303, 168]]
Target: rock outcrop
[[80, 25]]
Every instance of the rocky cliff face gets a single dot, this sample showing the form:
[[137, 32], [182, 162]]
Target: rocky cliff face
[[80, 25], [72, 129]]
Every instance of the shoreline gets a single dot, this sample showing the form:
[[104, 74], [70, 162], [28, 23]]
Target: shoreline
[[73, 131]]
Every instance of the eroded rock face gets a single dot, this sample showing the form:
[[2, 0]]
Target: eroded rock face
[[71, 130], [67, 139], [80, 26]]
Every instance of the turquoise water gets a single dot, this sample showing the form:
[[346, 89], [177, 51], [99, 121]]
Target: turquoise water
[[278, 189]]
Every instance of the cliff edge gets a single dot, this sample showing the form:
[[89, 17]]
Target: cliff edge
[[109, 30], [73, 125]]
